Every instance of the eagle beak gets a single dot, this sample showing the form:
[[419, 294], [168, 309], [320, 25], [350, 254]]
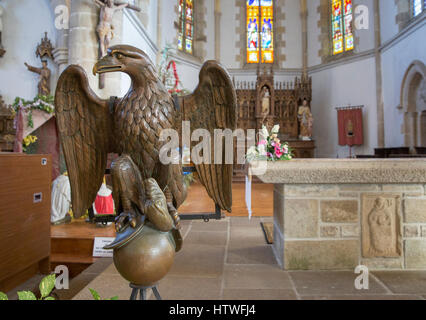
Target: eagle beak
[[107, 64]]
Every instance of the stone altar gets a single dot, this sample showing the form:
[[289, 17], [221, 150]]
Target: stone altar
[[341, 213]]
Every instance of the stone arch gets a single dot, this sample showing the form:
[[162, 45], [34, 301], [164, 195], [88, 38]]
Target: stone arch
[[413, 104]]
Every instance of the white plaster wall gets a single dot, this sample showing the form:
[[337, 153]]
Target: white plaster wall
[[136, 35], [366, 36], [395, 61], [314, 45], [388, 26], [24, 25], [293, 35], [343, 85], [210, 30], [153, 18], [228, 35]]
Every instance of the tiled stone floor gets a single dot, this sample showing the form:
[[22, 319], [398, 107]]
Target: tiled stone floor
[[229, 259]]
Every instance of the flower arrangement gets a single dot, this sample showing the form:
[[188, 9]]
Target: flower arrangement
[[27, 141], [270, 147], [44, 103]]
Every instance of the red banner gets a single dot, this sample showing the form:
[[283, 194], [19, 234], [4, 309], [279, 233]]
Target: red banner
[[350, 127]]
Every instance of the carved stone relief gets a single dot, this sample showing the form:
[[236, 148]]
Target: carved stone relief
[[381, 226]]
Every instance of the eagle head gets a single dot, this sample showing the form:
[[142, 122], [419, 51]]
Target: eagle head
[[123, 58]]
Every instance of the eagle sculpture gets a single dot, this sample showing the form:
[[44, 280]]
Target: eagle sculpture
[[131, 126]]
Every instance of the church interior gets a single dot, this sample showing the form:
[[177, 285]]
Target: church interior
[[324, 199]]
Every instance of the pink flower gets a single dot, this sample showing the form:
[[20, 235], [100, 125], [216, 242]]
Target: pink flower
[[278, 152], [262, 143], [285, 149]]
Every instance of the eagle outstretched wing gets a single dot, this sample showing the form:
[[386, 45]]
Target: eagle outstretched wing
[[84, 123], [213, 105]]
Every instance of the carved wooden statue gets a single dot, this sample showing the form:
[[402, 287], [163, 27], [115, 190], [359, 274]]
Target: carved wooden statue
[[44, 82], [2, 51], [143, 186], [306, 121], [105, 27], [45, 48], [266, 103]]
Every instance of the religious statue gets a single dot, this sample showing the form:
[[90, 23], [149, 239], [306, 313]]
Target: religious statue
[[60, 200], [147, 188], [44, 82], [104, 202], [381, 230], [266, 102], [2, 51], [306, 121], [105, 27]]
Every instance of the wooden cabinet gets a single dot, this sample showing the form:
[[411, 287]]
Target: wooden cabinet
[[24, 217]]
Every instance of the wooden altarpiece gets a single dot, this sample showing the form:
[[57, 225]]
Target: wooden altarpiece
[[285, 99]]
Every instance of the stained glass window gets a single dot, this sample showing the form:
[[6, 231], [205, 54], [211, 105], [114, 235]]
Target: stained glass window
[[260, 31], [341, 26], [186, 26], [418, 6]]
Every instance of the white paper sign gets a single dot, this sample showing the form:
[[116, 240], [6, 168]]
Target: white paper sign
[[98, 247]]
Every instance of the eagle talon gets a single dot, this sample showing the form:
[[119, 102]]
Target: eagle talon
[[124, 220]]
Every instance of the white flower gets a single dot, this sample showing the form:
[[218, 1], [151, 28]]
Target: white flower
[[262, 150], [264, 132], [276, 129]]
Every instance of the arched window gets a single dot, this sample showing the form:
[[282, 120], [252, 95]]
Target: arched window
[[341, 26], [186, 26], [418, 7], [260, 31]]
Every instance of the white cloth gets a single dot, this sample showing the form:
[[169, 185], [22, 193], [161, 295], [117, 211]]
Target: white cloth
[[61, 198], [248, 196], [104, 191]]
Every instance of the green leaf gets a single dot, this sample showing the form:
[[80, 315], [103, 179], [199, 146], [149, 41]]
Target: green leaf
[[49, 298], [95, 294], [47, 284], [114, 298], [3, 296], [26, 295]]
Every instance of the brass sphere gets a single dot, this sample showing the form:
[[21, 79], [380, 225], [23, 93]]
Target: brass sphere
[[147, 258]]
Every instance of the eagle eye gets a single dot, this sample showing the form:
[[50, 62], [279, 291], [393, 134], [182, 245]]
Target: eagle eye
[[119, 55]]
